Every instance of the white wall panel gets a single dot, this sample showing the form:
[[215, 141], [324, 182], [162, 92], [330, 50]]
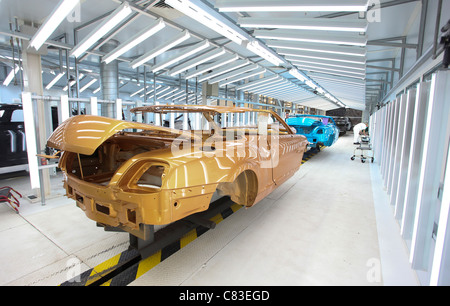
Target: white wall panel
[[404, 157], [436, 139], [415, 159]]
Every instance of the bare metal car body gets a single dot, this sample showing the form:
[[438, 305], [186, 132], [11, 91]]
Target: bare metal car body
[[127, 174]]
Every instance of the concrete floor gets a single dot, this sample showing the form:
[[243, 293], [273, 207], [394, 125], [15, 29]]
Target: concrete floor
[[328, 225]]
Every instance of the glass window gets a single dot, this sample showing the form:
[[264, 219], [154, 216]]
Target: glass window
[[17, 116]]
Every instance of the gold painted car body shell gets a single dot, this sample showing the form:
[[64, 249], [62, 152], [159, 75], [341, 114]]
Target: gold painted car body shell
[[188, 179]]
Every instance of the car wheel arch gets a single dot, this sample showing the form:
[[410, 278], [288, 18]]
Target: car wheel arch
[[243, 190]]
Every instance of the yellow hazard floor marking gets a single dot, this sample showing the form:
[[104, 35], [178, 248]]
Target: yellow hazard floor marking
[[97, 271], [188, 238], [217, 219], [148, 264], [235, 207]]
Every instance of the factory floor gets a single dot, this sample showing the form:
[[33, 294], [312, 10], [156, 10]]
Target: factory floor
[[330, 224]]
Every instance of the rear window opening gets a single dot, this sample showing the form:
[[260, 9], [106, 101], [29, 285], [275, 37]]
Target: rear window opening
[[152, 178]]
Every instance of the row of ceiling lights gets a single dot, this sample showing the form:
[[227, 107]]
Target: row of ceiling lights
[[347, 57]]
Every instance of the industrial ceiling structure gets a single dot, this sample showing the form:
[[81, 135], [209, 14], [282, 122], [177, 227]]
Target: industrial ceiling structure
[[313, 52]]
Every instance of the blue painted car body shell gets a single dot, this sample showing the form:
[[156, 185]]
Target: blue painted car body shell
[[319, 130]]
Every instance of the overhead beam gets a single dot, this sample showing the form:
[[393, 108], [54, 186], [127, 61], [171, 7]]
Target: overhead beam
[[391, 44], [383, 68]]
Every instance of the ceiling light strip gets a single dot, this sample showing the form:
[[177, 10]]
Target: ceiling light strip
[[134, 41], [330, 59], [333, 73], [277, 82], [306, 66], [297, 74], [285, 87], [167, 93], [197, 61], [292, 6], [55, 80], [226, 60], [233, 73], [303, 36], [138, 92], [314, 24], [62, 10], [358, 67], [321, 48], [242, 77], [88, 85], [218, 72], [209, 18], [336, 80], [73, 82], [160, 49], [163, 91], [258, 82], [11, 75], [184, 54], [264, 52], [102, 29]]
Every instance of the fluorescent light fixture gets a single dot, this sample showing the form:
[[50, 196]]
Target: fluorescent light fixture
[[309, 66], [275, 84], [334, 72], [55, 80], [315, 24], [293, 55], [292, 6], [93, 81], [176, 92], [184, 54], [321, 48], [167, 93], [52, 22], [153, 90], [10, 76], [110, 22], [286, 90], [139, 91], [264, 52], [242, 77], [161, 49], [311, 84], [360, 67], [179, 95], [135, 40], [226, 69], [209, 18], [297, 74], [163, 91], [73, 82], [197, 61], [258, 82], [350, 39], [226, 60], [233, 73]]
